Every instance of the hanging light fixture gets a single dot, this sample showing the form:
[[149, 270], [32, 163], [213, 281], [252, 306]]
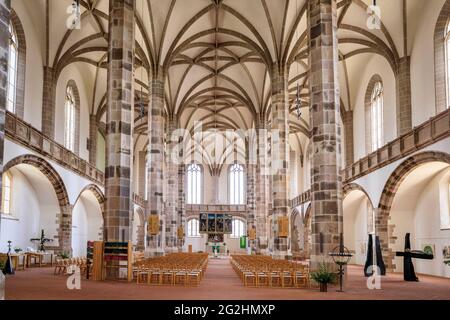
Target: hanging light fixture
[[298, 101], [374, 13]]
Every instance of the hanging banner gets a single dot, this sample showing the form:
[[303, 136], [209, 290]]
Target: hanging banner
[[153, 225], [252, 234], [243, 242], [283, 227], [180, 232]]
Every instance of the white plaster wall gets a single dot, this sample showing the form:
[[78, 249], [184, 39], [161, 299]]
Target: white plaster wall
[[374, 64], [422, 62], [87, 222], [355, 226], [101, 150], [77, 73], [23, 224], [33, 25], [428, 228]]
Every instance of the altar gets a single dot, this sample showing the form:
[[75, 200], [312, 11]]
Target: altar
[[216, 248]]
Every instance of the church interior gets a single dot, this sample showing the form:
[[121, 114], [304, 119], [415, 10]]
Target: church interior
[[225, 149]]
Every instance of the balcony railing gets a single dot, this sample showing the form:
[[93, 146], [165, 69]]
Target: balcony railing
[[301, 199], [429, 132], [23, 133]]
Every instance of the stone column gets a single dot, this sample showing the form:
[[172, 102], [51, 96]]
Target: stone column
[[250, 171], [347, 119], [155, 245], [280, 155], [119, 121], [65, 229], [181, 204], [142, 174], [403, 86], [172, 190], [326, 184], [48, 102], [93, 131], [140, 244], [262, 174]]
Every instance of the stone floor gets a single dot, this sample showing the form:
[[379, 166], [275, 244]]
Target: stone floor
[[220, 283]]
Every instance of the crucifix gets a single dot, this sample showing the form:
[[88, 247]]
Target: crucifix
[[408, 254]]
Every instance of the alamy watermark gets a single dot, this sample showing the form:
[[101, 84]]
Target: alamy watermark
[[74, 280]]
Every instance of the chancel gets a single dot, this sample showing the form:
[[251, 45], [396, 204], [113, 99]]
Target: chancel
[[222, 149]]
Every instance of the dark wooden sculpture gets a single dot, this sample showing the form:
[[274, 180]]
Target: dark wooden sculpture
[[369, 259], [408, 254]]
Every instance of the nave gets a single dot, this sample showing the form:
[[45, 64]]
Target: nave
[[220, 283]]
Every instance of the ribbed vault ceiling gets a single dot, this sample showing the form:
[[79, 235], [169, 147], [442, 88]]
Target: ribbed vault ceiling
[[216, 54]]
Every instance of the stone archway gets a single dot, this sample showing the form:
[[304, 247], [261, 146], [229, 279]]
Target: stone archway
[[96, 192], [64, 219], [87, 218], [296, 232], [382, 227], [357, 221]]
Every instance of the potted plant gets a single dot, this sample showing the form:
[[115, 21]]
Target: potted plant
[[17, 250], [64, 255], [323, 276]]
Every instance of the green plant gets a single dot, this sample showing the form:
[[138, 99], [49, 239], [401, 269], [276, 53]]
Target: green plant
[[64, 255], [323, 274], [2, 265], [17, 250]]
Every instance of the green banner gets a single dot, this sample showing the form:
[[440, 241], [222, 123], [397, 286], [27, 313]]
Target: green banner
[[243, 242]]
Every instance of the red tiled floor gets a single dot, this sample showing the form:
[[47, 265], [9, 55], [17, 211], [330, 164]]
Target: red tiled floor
[[221, 283]]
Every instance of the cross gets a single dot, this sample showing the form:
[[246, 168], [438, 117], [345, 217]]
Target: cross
[[408, 254]]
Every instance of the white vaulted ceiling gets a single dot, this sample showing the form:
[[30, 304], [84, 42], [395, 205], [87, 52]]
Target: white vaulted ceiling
[[217, 54]]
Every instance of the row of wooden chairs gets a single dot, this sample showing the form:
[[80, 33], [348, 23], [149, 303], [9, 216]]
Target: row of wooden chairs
[[263, 271], [61, 265], [174, 269]]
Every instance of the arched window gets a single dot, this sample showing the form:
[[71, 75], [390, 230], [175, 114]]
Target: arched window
[[69, 107], [6, 194], [447, 62], [12, 70], [193, 228], [238, 228], [376, 116], [236, 184], [194, 184]]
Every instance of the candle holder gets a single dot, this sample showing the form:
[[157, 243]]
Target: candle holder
[[341, 256]]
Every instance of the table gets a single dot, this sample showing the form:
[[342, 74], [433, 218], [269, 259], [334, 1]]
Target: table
[[15, 260], [39, 256]]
